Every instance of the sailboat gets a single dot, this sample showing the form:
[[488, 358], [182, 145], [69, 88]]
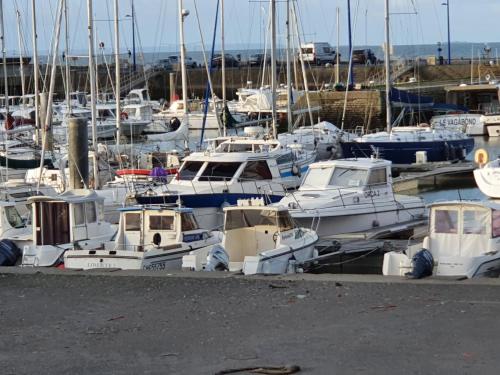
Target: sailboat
[[403, 145]]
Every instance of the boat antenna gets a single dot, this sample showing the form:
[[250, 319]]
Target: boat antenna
[[387, 50]]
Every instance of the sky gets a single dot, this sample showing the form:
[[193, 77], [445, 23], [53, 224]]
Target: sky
[[412, 22]]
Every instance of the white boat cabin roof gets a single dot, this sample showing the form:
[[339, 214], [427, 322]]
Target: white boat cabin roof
[[491, 204], [248, 145], [71, 196], [156, 208], [365, 163]]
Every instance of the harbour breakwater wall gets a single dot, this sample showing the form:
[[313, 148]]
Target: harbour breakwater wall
[[365, 105]]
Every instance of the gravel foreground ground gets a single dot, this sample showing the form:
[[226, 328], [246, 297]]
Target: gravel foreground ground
[[102, 324]]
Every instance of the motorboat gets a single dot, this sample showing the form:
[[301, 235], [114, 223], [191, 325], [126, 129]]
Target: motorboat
[[70, 220], [150, 238], [463, 240], [15, 233], [487, 178], [350, 195], [324, 137], [403, 144], [257, 239], [492, 124], [239, 168]]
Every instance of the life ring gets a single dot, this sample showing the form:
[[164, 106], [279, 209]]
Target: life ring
[[481, 156], [124, 116]]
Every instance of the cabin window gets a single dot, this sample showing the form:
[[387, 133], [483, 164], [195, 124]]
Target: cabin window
[[219, 171], [475, 222], [161, 222], [79, 212], [284, 159], [189, 170], [285, 221], [13, 217], [347, 177], [306, 51], [377, 176], [249, 218], [445, 221], [317, 177], [256, 170], [132, 222], [495, 223], [90, 212], [188, 222]]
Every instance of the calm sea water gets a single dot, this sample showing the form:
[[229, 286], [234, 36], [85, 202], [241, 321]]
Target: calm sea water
[[462, 187]]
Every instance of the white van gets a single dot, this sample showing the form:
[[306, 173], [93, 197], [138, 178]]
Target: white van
[[318, 53]]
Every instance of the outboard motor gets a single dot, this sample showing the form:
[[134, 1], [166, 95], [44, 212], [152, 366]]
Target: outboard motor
[[217, 259], [422, 263], [9, 253]]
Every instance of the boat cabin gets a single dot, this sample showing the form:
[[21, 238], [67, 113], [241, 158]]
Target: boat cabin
[[143, 227], [137, 96], [250, 228], [462, 228], [73, 216], [361, 173], [139, 112]]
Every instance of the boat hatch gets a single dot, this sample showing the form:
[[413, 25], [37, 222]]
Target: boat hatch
[[52, 223], [457, 230]]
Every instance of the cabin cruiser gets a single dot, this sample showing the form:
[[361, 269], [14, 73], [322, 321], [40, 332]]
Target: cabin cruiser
[[150, 238], [238, 168], [70, 220], [402, 145], [350, 195], [257, 239], [463, 240]]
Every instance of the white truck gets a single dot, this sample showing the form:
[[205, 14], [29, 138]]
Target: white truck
[[318, 53]]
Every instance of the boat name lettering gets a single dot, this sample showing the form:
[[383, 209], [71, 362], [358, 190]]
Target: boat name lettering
[[154, 266], [100, 265], [372, 193], [458, 121]]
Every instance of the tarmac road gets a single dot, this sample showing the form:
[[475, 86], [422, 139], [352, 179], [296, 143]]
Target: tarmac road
[[121, 323]]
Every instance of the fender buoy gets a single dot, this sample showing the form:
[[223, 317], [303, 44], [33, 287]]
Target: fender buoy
[[124, 116], [295, 170], [481, 156]]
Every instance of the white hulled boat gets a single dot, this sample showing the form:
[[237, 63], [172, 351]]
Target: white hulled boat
[[463, 240], [257, 239], [149, 237], [350, 195]]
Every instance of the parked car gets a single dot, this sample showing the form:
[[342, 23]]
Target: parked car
[[363, 56], [230, 61], [318, 53], [257, 59], [173, 62]]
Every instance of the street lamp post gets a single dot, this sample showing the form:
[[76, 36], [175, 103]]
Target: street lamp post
[[448, 18]]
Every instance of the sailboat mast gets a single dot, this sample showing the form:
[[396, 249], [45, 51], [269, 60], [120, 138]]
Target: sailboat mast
[[36, 72], [21, 62], [273, 66], [223, 61], [4, 62], [117, 75], [182, 14], [288, 70], [387, 69], [66, 60], [93, 90], [337, 54]]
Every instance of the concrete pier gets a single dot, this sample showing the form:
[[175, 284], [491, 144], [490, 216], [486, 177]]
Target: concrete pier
[[62, 322]]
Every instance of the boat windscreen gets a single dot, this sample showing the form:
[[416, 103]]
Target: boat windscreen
[[13, 217], [219, 171], [317, 177], [347, 177], [249, 218], [189, 170]]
